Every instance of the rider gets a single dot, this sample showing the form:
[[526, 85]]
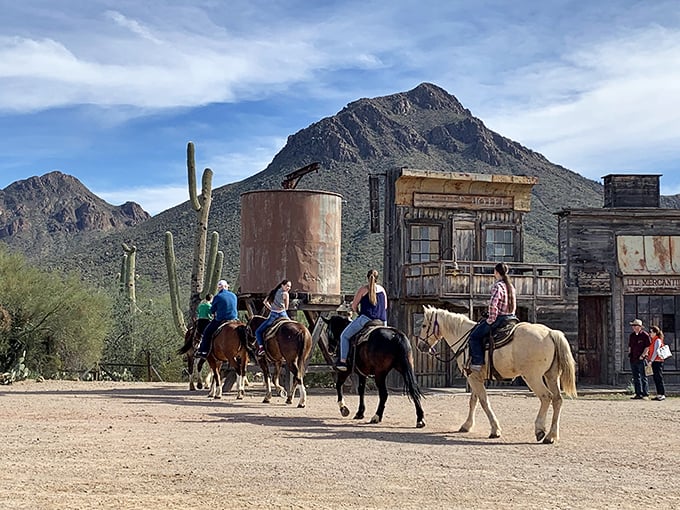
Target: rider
[[203, 314], [277, 301], [501, 305], [371, 301], [224, 308]]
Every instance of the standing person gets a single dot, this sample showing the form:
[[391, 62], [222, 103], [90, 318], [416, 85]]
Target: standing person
[[224, 307], [638, 341], [370, 303], [203, 314], [277, 301], [502, 304], [656, 361]]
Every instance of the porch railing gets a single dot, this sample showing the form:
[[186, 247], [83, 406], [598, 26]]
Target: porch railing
[[473, 279]]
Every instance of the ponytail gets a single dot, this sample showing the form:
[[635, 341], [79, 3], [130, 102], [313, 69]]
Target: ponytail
[[502, 270], [372, 277]]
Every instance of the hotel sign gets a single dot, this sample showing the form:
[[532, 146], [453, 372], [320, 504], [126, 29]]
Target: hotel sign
[[446, 201], [651, 284]]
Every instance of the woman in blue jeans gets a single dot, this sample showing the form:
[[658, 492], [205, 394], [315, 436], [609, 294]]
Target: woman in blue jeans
[[277, 301], [370, 302]]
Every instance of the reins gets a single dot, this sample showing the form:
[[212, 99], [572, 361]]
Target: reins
[[436, 333]]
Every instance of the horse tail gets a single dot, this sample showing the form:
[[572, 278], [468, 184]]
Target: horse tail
[[565, 362], [188, 341], [242, 336], [304, 349], [411, 388]]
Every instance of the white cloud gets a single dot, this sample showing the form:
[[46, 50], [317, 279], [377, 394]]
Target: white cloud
[[152, 199]]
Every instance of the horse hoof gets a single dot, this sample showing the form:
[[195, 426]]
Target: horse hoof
[[301, 406], [218, 397], [494, 436], [376, 419], [549, 440], [266, 401], [239, 397], [420, 424], [358, 416], [289, 401], [199, 386], [463, 429], [344, 411], [540, 435]]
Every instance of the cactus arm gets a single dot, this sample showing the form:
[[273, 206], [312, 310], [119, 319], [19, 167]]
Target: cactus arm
[[174, 286]]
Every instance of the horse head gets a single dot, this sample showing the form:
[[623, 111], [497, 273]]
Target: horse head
[[335, 324], [430, 332]]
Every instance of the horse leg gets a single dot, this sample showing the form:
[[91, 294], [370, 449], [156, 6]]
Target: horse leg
[[277, 377], [535, 384], [190, 369], [216, 385], [361, 390], [382, 393], [240, 366], [199, 367], [551, 379], [294, 384], [339, 382], [264, 365], [478, 392]]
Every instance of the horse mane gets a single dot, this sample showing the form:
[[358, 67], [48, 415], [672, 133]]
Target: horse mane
[[450, 321]]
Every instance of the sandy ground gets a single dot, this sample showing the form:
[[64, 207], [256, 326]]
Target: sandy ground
[[72, 445]]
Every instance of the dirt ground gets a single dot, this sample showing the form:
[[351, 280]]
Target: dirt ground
[[73, 445]]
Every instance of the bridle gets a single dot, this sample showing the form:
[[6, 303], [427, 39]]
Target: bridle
[[424, 346]]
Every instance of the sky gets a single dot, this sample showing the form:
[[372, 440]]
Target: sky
[[111, 91]]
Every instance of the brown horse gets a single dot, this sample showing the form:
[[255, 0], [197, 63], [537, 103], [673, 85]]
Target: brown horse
[[385, 349], [191, 341], [229, 344], [292, 344], [540, 355]]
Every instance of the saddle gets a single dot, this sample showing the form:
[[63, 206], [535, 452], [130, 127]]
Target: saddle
[[366, 331], [271, 331], [222, 324], [498, 337]]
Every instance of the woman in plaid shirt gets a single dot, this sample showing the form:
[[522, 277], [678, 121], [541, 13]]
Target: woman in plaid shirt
[[501, 305]]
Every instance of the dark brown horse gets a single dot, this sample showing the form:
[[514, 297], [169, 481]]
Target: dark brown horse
[[229, 344], [191, 341], [291, 344], [385, 349]]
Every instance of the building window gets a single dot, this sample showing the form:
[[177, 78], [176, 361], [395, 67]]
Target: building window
[[499, 245], [424, 243]]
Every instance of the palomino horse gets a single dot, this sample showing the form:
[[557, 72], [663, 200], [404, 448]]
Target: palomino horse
[[191, 341], [229, 344], [385, 349], [540, 355], [291, 343]]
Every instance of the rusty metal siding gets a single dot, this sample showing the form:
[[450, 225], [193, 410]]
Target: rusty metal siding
[[293, 234], [648, 254]]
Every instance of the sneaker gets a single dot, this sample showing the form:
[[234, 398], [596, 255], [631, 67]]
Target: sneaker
[[660, 397], [636, 397], [260, 351], [341, 366], [645, 397], [475, 368], [200, 355]]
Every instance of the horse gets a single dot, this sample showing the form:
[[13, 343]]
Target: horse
[[229, 344], [385, 349], [540, 355], [292, 344], [191, 342]]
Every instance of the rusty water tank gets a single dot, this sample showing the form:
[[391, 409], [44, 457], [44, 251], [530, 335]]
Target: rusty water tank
[[292, 234]]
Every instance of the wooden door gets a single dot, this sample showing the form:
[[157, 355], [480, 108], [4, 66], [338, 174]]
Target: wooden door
[[593, 314]]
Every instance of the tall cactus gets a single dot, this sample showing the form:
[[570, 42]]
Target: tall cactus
[[199, 277], [128, 274]]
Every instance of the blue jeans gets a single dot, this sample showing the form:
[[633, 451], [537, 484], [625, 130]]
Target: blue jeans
[[352, 329], [478, 336], [640, 381], [206, 338], [260, 329]]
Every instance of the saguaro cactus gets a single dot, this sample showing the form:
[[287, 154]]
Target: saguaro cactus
[[201, 281], [127, 276]]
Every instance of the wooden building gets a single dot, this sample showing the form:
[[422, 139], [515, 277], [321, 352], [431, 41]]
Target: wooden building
[[623, 261], [444, 232]]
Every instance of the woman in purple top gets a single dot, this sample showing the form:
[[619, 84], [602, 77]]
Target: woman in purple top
[[370, 302]]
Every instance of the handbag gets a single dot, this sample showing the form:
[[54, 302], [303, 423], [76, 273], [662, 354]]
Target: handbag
[[648, 369], [665, 352]]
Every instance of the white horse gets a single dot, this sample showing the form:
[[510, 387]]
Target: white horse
[[540, 355]]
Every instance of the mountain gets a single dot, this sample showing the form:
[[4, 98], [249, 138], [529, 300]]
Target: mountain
[[424, 128], [45, 216]]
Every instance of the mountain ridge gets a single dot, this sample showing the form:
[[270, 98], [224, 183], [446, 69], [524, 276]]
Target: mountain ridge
[[425, 128]]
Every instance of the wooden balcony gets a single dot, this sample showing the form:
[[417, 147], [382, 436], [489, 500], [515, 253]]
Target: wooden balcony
[[472, 280]]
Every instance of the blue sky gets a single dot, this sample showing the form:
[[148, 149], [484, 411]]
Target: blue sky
[[111, 91]]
